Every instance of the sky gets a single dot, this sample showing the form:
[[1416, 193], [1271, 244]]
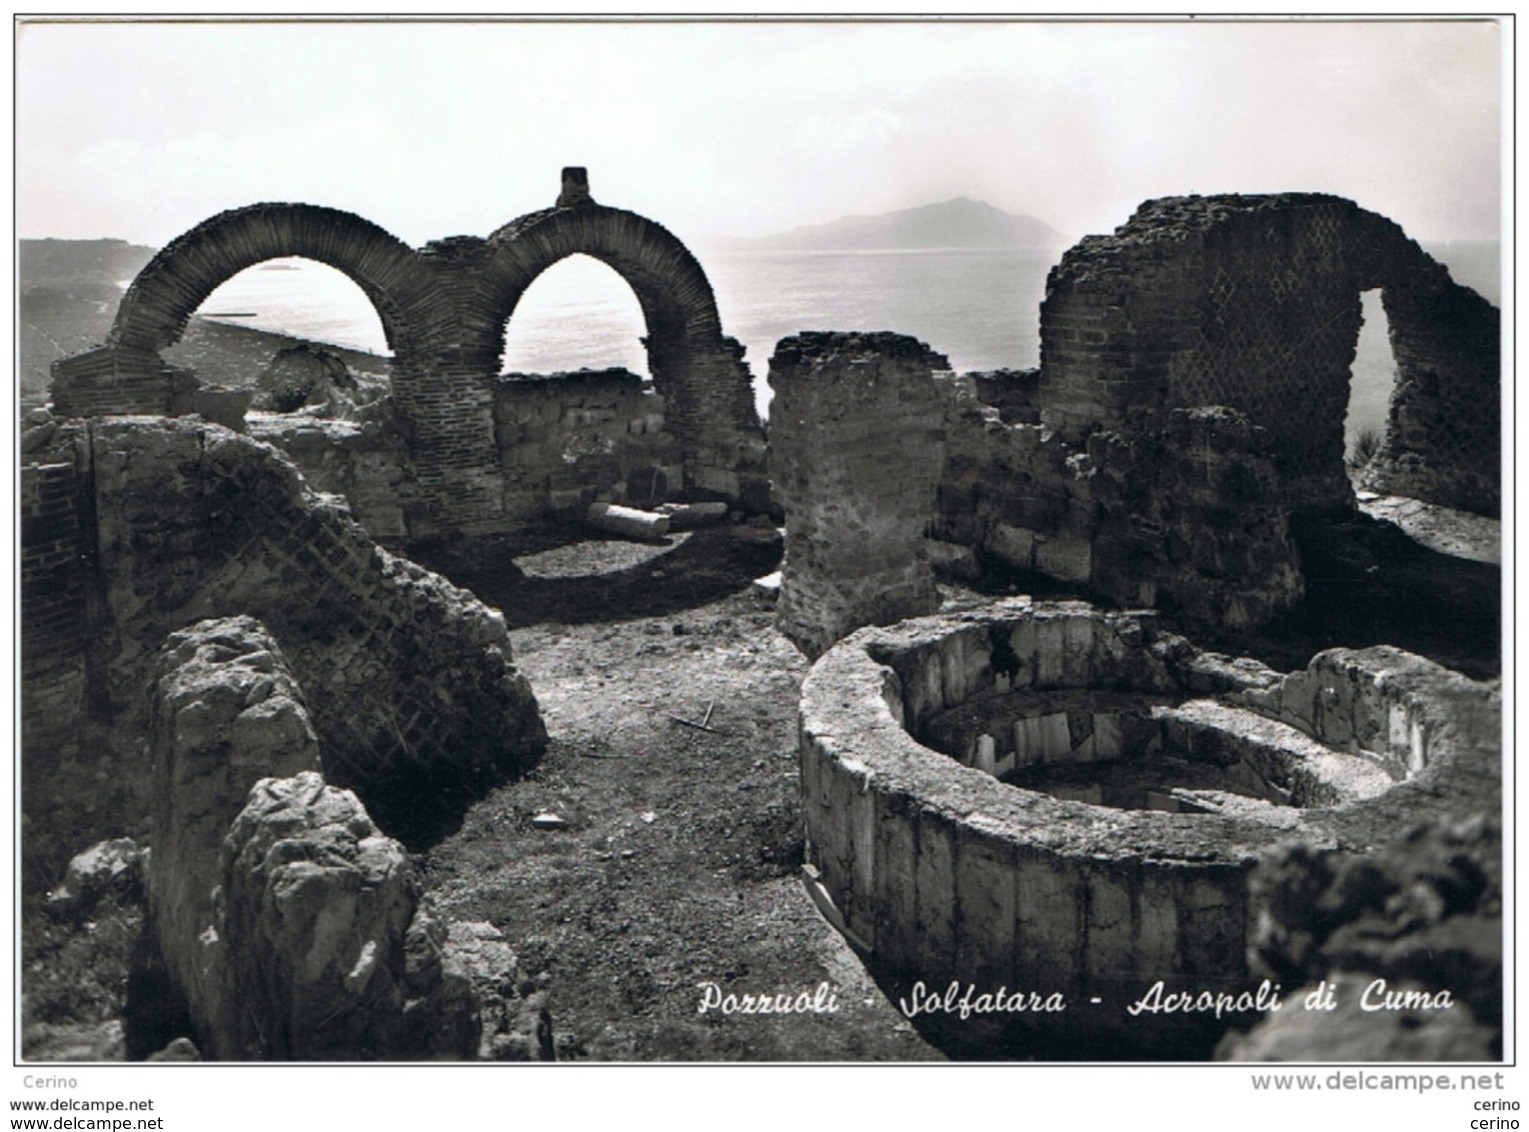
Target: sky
[[741, 128]]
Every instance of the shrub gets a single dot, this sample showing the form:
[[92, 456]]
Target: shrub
[[1365, 447]]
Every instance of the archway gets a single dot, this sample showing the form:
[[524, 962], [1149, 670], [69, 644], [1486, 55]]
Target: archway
[[277, 326], [154, 312], [700, 374], [578, 314]]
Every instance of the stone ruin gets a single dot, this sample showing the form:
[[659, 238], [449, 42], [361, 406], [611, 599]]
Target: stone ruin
[[444, 310], [1046, 797], [1016, 789]]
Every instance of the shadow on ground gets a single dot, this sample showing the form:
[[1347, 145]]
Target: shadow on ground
[[700, 567]]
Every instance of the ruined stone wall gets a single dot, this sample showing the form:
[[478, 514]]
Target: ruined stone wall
[[1443, 438], [562, 442], [1189, 518], [857, 442], [225, 713], [570, 439], [291, 928], [1252, 302], [57, 615], [411, 681], [367, 463], [945, 873]]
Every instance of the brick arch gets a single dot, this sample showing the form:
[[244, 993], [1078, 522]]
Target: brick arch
[[698, 371], [671, 288], [157, 306]]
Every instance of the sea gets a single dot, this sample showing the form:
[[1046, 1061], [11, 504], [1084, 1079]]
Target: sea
[[979, 308]]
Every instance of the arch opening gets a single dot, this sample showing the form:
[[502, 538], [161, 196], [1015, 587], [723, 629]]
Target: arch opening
[[579, 313], [1372, 377], [289, 328]]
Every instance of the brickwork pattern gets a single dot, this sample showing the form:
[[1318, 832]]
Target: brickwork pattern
[[1252, 302], [411, 681]]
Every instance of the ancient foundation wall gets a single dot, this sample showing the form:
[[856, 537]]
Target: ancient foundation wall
[[562, 441], [1443, 438], [410, 680], [444, 309], [857, 440]]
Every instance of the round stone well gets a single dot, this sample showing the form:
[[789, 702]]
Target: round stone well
[[1049, 798]]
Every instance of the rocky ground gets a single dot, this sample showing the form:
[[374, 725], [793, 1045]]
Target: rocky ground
[[671, 875]]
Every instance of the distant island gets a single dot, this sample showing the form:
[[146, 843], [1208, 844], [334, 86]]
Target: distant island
[[958, 223]]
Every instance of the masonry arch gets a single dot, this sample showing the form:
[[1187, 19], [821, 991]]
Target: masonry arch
[[691, 364], [157, 306]]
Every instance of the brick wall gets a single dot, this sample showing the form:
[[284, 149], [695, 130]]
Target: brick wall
[[1252, 302], [57, 620], [857, 441], [410, 680], [444, 310]]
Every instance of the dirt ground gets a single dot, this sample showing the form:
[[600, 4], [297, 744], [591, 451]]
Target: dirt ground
[[678, 865]]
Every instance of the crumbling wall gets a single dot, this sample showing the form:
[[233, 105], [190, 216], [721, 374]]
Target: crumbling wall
[[1189, 517], [1252, 302], [1443, 438], [571, 439], [289, 926], [57, 613], [366, 462], [333, 953], [411, 681], [857, 441]]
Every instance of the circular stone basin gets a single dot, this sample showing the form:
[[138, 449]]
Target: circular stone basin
[[1047, 798]]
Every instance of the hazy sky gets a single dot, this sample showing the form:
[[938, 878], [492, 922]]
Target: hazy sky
[[143, 130]]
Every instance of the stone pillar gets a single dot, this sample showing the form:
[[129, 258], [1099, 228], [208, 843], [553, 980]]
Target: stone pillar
[[857, 442]]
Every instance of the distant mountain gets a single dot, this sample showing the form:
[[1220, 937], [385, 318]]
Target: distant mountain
[[959, 223], [76, 261]]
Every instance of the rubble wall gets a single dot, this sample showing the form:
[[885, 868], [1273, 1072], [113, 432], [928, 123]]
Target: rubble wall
[[1189, 517], [444, 309], [290, 927], [411, 680], [857, 442], [1443, 439], [945, 873], [1252, 302]]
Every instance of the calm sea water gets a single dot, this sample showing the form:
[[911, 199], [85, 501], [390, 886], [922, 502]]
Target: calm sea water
[[979, 308]]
